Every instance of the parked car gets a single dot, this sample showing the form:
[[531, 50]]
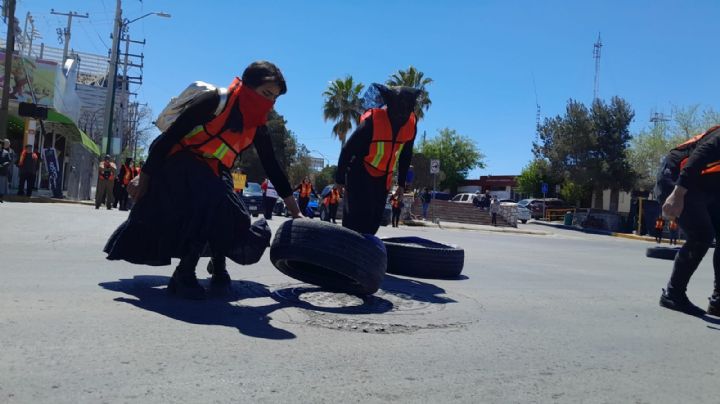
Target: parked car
[[253, 198], [312, 208], [463, 198], [523, 214], [537, 206]]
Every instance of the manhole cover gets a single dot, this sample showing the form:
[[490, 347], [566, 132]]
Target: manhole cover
[[386, 312]]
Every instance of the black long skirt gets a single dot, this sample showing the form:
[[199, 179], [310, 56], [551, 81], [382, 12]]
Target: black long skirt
[[188, 209]]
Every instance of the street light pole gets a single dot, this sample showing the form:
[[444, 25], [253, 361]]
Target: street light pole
[[112, 74], [111, 79]]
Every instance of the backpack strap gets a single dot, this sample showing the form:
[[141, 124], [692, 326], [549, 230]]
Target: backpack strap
[[223, 93]]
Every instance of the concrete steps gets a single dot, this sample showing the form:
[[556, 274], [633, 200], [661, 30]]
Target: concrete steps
[[447, 211]]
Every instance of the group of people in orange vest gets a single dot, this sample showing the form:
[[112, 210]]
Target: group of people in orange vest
[[330, 201], [112, 185], [185, 204], [672, 227]]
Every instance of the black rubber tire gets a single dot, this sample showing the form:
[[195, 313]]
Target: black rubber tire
[[329, 256], [663, 253], [523, 221], [423, 258]]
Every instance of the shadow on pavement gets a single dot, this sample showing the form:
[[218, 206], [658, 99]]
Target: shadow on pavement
[[415, 290], [150, 294], [711, 320]]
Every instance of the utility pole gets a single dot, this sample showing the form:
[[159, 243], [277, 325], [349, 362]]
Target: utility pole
[[596, 55], [70, 16], [111, 80], [27, 38], [126, 81], [9, 50]]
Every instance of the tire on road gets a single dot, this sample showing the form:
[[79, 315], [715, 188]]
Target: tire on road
[[329, 256], [423, 258], [663, 253]]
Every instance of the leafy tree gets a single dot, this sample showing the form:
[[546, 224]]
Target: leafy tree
[[416, 79], [611, 127], [325, 177], [421, 169], [343, 105], [533, 176], [301, 166], [690, 121], [458, 155], [650, 145], [574, 193], [588, 147], [284, 145]]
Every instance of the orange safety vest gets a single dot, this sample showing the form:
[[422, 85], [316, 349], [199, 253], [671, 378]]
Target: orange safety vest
[[711, 168], [659, 224], [305, 190], [395, 203], [21, 162], [673, 225], [214, 140], [129, 174], [105, 166], [334, 196], [386, 147]]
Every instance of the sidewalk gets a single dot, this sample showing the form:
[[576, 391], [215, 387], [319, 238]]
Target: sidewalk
[[466, 226], [477, 227], [42, 196], [601, 232]]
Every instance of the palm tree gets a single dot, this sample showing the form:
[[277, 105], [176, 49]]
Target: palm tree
[[412, 77], [342, 105]]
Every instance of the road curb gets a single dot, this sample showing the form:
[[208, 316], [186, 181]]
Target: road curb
[[604, 232], [462, 226], [44, 199]]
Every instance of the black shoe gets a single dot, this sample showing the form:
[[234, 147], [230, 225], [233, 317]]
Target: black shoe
[[680, 303], [184, 284], [220, 277], [714, 305]]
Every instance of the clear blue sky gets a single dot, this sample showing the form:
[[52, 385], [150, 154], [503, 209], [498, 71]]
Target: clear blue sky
[[482, 55]]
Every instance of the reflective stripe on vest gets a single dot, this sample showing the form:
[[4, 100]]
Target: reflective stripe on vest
[[215, 140], [384, 147], [305, 190]]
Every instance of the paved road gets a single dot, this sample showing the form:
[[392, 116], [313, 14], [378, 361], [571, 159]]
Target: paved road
[[563, 318]]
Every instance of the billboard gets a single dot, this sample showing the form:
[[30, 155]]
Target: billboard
[[27, 74]]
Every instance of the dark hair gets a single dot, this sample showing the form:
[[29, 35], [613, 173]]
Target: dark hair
[[261, 72]]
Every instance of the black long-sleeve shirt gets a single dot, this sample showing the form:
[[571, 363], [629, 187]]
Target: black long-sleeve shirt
[[200, 111], [358, 146], [707, 151]]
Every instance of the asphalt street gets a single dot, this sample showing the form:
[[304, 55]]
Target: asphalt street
[[566, 317]]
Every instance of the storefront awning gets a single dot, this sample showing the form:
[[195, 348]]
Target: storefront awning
[[65, 126]]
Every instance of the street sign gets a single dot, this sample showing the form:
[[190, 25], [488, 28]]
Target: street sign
[[434, 166], [544, 188]]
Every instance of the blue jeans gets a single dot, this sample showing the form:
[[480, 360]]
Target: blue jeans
[[425, 209]]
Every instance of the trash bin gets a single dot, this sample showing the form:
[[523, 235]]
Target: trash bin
[[568, 219]]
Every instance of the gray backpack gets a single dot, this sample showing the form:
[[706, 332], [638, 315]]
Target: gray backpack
[[177, 105]]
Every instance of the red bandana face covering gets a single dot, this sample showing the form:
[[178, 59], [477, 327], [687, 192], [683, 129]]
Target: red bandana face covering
[[253, 106]]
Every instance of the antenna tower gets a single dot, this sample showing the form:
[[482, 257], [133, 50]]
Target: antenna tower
[[658, 117], [596, 55]]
